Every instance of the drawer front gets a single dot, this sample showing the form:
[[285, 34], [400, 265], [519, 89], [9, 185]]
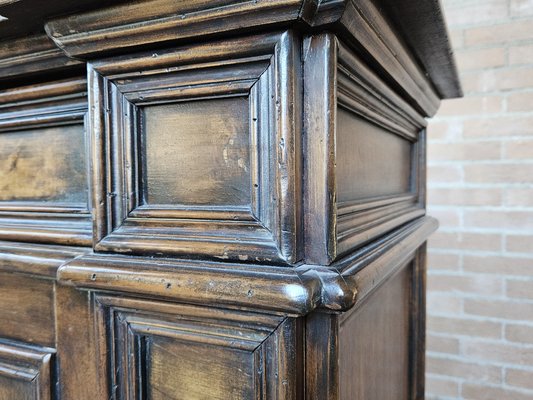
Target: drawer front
[[154, 350], [203, 143], [27, 309], [25, 372]]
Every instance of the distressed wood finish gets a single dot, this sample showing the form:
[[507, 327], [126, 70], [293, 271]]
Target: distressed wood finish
[[245, 182], [43, 163], [241, 199], [342, 214], [25, 372]]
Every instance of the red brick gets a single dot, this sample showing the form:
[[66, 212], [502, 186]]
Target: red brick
[[442, 261], [465, 196], [519, 333], [503, 309], [473, 59], [499, 127], [464, 326], [519, 378], [444, 173], [504, 220], [507, 265], [497, 80], [520, 289], [471, 105], [463, 369], [448, 218], [499, 173], [478, 284], [464, 151], [519, 149], [519, 197], [466, 241], [469, 13], [501, 33], [520, 101], [444, 303], [439, 344], [519, 55], [519, 243], [471, 391], [436, 388], [500, 353]]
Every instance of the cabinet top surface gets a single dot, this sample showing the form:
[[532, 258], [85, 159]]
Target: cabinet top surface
[[420, 25]]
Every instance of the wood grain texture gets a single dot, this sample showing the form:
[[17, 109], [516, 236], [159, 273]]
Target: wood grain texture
[[285, 290], [25, 372], [351, 196], [43, 168], [27, 309], [27, 56], [165, 350], [250, 86], [46, 164], [379, 161], [198, 153], [377, 330], [127, 26]]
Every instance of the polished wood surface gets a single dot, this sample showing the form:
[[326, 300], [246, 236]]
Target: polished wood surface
[[215, 199]]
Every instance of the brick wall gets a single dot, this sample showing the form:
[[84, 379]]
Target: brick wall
[[480, 179]]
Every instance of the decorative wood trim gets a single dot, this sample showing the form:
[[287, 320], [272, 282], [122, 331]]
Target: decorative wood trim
[[34, 259], [268, 231], [350, 280], [129, 26], [423, 27], [364, 27], [43, 105], [30, 364], [283, 290], [334, 229], [32, 55], [417, 321], [272, 342]]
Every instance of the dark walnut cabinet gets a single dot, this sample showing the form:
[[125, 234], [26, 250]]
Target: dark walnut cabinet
[[216, 199]]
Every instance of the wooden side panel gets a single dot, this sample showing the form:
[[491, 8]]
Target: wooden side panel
[[24, 372], [371, 161], [374, 344], [27, 309], [46, 164]]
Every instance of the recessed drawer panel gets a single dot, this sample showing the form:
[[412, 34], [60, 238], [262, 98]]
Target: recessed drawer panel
[[45, 164], [27, 309]]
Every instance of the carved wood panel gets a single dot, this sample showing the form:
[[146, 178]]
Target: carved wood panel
[[43, 170], [156, 350], [25, 372], [199, 143]]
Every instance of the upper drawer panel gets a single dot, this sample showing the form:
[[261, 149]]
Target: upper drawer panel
[[195, 150], [43, 167], [43, 164]]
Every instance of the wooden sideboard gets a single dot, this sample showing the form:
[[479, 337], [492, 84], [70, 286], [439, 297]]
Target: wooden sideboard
[[216, 199]]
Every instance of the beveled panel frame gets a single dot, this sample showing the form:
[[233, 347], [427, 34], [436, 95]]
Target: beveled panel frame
[[264, 68], [46, 105], [334, 228], [29, 365], [125, 326]]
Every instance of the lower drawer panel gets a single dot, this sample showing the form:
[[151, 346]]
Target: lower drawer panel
[[27, 309]]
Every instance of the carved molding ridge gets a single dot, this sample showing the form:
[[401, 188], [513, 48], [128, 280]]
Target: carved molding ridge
[[282, 290]]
